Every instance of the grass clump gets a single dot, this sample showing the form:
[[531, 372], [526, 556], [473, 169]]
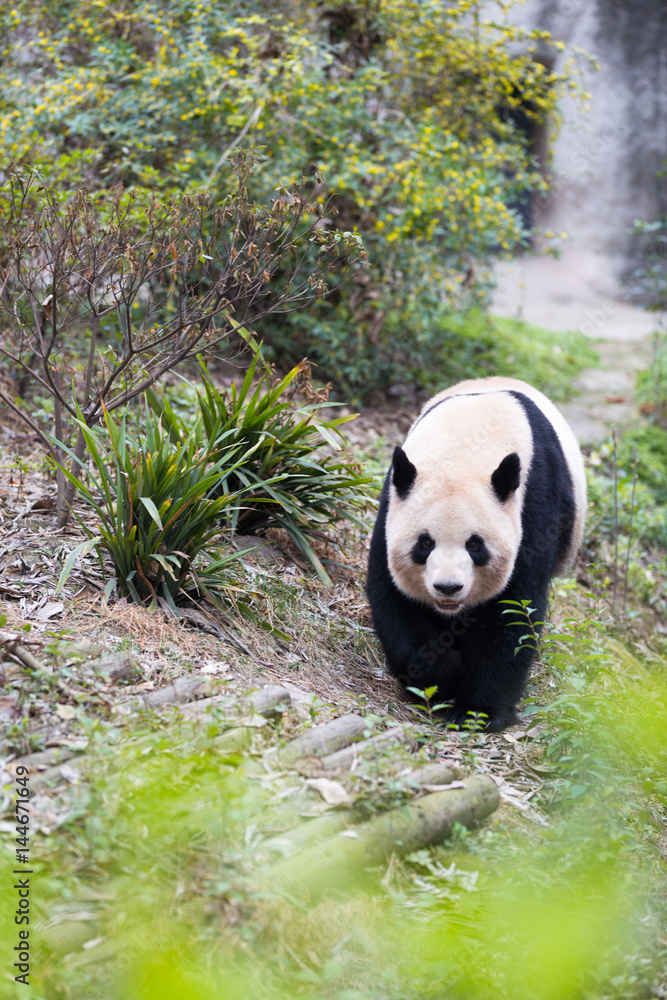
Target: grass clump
[[164, 494], [158, 507], [287, 479]]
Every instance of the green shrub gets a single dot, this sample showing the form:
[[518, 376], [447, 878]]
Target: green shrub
[[286, 479], [159, 509], [162, 280], [428, 345], [410, 109]]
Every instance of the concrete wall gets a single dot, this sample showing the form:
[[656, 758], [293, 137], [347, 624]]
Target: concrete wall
[[605, 162]]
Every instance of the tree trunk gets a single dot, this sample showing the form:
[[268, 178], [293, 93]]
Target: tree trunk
[[66, 497]]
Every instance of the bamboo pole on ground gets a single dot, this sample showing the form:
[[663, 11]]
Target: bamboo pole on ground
[[339, 861], [310, 831]]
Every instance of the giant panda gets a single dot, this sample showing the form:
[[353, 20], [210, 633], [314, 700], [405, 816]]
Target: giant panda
[[484, 502]]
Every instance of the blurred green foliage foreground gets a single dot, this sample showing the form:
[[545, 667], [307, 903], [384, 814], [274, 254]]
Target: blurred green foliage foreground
[[418, 114], [158, 886]]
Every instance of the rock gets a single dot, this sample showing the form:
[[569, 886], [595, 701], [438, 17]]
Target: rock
[[264, 551], [604, 160], [116, 668]]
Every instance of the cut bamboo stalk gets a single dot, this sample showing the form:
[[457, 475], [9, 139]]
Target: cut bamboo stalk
[[267, 701], [183, 689], [324, 740], [339, 861], [310, 831], [432, 774], [345, 758]]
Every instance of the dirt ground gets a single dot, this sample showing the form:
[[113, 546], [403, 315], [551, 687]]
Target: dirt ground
[[106, 657]]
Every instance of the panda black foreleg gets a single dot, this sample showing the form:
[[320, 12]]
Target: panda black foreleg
[[495, 671], [419, 645]]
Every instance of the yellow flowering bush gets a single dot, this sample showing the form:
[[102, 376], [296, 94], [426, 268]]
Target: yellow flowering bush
[[410, 108]]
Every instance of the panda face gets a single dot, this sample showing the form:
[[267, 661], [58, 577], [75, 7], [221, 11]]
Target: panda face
[[454, 552], [453, 533], [454, 520]]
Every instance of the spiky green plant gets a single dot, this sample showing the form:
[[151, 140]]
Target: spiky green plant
[[159, 506], [287, 480]]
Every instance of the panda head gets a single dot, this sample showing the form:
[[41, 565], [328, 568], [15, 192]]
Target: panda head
[[454, 531]]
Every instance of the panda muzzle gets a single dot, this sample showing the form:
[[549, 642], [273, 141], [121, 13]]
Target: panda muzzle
[[449, 599]]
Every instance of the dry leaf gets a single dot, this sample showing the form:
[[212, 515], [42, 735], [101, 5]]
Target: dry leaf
[[50, 610], [43, 503], [66, 711], [331, 791], [215, 667]]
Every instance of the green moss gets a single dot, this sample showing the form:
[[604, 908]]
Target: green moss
[[650, 445], [547, 359]]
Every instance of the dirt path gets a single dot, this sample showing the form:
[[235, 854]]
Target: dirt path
[[574, 293]]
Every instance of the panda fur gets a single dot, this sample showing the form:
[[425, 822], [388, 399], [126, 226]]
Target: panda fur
[[484, 502]]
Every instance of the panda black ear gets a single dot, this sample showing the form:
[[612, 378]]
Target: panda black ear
[[506, 478], [404, 473]]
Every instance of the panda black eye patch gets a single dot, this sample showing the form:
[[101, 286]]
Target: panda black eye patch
[[477, 550], [422, 548]]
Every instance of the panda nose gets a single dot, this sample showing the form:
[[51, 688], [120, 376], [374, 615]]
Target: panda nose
[[448, 589]]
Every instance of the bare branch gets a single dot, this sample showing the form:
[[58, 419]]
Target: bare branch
[[171, 273], [31, 423]]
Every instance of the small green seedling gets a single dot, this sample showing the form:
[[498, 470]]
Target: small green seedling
[[523, 612], [427, 694]]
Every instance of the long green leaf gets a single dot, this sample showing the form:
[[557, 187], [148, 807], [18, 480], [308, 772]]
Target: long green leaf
[[81, 550], [153, 511]]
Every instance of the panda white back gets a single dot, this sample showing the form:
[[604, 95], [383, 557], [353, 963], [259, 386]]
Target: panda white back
[[568, 441]]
